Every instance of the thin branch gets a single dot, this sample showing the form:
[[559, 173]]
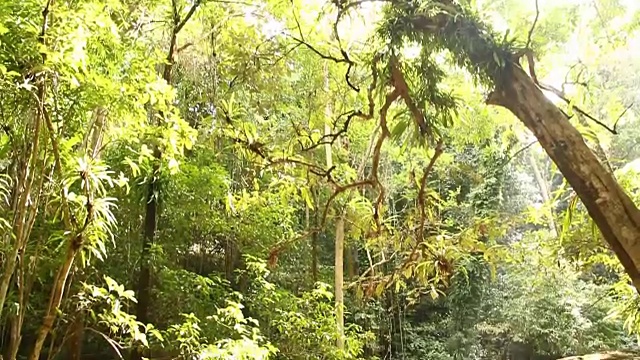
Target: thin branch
[[340, 190], [371, 269], [423, 185], [519, 152], [186, 18], [401, 84], [114, 345], [529, 54], [615, 124], [331, 138], [277, 248], [533, 26], [317, 52], [577, 109], [344, 60], [295, 17]]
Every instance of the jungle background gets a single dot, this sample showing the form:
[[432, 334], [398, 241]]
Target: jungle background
[[292, 179]]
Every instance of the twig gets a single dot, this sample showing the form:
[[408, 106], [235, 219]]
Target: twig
[[529, 55], [519, 152], [577, 109], [371, 269], [339, 190], [345, 60], [186, 18], [533, 26], [615, 124]]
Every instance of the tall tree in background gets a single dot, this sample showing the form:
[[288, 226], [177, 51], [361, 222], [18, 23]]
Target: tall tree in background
[[178, 21]]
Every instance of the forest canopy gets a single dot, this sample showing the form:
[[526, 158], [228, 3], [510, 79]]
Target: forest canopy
[[312, 179]]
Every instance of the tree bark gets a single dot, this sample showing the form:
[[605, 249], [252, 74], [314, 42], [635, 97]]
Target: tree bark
[[144, 278], [609, 206], [77, 337], [597, 146]]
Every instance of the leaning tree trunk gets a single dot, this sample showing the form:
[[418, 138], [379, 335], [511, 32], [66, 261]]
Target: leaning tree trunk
[[609, 206]]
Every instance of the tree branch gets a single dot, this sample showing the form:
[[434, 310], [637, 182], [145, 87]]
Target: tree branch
[[533, 26], [519, 152], [186, 18]]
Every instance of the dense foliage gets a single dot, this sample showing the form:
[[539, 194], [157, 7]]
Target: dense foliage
[[205, 179]]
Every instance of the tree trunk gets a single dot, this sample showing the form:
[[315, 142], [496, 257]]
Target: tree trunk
[[231, 259], [545, 193], [144, 278], [351, 256], [15, 337], [339, 286], [56, 298], [609, 206], [339, 244], [314, 240], [151, 211], [597, 146], [77, 337]]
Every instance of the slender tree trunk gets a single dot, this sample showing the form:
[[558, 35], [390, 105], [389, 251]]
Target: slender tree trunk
[[77, 337], [339, 242], [351, 259], [144, 278], [21, 271], [230, 260], [151, 210], [314, 240], [56, 297], [14, 338], [339, 278], [544, 192], [22, 191], [609, 206], [76, 240]]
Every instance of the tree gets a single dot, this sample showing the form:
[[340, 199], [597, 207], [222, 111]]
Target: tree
[[448, 25]]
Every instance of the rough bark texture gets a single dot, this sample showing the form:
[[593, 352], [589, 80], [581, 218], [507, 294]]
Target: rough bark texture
[[609, 206]]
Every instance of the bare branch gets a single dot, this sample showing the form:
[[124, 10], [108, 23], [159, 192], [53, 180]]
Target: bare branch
[[615, 124], [575, 108], [519, 152], [529, 54], [186, 18], [533, 26]]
